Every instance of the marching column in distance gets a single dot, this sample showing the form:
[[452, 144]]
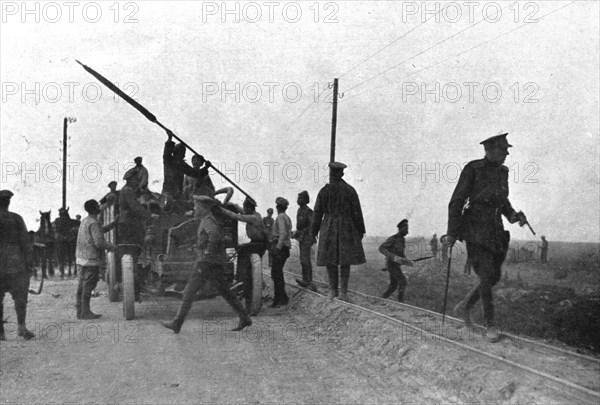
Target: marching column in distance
[[339, 222], [210, 266], [16, 262], [475, 216]]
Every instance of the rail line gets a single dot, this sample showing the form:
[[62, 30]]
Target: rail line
[[570, 373]]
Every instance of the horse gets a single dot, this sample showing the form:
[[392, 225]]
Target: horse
[[64, 237], [44, 244]]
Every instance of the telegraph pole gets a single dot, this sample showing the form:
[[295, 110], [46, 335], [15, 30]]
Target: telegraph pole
[[64, 171], [334, 120]]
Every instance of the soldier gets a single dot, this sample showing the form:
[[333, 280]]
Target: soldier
[[282, 232], [338, 217], [255, 230], [16, 263], [475, 215], [393, 250], [90, 246], [268, 221], [197, 179], [305, 240], [434, 245], [544, 250], [210, 267], [131, 228], [173, 175]]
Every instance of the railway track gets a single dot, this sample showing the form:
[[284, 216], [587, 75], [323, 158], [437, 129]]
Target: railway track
[[572, 374]]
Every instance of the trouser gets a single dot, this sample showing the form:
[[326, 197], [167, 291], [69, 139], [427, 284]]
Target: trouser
[[397, 281], [244, 266], [207, 272], [88, 279], [544, 256], [17, 285], [468, 266], [487, 264], [333, 274], [305, 261], [279, 259]]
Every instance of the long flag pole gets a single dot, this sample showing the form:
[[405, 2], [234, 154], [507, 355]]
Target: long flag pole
[[151, 117]]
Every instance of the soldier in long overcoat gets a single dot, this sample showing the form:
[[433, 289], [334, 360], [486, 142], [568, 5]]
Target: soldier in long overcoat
[[338, 220], [475, 216]]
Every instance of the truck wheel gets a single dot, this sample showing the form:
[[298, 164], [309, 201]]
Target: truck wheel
[[111, 277], [253, 287], [128, 287]]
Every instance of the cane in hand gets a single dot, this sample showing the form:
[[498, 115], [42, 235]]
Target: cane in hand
[[444, 238]]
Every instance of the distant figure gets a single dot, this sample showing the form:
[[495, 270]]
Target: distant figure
[[339, 220], [444, 251], [434, 245], [64, 239], [393, 250], [268, 221], [282, 232], [544, 251], [16, 263], [305, 240]]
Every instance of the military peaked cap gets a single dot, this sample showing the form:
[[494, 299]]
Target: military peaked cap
[[497, 140], [337, 165], [402, 222], [6, 194], [304, 194], [250, 201], [137, 158]]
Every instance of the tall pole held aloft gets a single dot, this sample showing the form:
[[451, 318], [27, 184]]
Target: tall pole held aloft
[[334, 120], [64, 168]]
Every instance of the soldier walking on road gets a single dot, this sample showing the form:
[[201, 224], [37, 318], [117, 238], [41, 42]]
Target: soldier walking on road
[[90, 246], [338, 217], [210, 267], [305, 240], [475, 215], [16, 263], [393, 250]]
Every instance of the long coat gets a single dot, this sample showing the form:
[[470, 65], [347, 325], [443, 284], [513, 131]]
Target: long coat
[[15, 247], [338, 218]]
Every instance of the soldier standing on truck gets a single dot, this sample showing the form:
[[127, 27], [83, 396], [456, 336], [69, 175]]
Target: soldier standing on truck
[[475, 215], [210, 266]]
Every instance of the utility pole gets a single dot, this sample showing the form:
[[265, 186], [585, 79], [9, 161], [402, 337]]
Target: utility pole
[[334, 120], [64, 171]]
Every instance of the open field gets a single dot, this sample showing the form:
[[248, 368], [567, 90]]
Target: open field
[[558, 302]]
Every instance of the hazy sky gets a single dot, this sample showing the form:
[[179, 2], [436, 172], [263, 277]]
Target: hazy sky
[[242, 87]]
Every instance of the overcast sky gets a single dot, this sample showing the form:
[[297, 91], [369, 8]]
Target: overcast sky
[[249, 90]]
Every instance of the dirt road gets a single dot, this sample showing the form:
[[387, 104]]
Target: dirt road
[[114, 361]]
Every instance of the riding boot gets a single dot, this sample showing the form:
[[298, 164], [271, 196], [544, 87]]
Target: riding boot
[[177, 322], [344, 286], [332, 275], [401, 295], [21, 310], [86, 312], [239, 309]]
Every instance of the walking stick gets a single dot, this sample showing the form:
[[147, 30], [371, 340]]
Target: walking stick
[[447, 283]]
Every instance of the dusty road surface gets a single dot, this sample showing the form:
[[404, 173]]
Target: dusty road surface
[[312, 351]]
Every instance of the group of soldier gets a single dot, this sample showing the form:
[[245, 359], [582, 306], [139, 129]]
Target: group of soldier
[[474, 216]]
